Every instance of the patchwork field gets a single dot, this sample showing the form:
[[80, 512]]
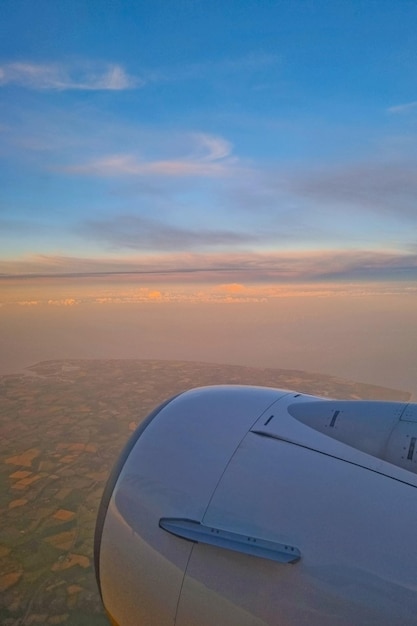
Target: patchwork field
[[62, 425]]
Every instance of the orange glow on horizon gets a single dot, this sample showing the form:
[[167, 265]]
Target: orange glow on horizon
[[72, 292]]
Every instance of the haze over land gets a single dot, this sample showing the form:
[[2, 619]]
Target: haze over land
[[366, 333], [222, 183]]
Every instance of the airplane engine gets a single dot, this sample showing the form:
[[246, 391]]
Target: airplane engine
[[250, 506]]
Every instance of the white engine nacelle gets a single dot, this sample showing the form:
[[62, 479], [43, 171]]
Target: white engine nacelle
[[250, 506]]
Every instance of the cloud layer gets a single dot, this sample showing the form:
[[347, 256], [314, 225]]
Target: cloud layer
[[245, 267]]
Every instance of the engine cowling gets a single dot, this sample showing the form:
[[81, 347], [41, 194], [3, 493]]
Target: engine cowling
[[255, 506]]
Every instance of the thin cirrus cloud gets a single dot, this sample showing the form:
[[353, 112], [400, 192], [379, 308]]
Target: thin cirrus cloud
[[210, 156], [388, 187], [131, 165], [95, 76], [252, 63], [63, 77], [139, 233], [245, 267], [403, 108]]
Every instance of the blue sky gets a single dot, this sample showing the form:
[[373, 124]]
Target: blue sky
[[274, 140]]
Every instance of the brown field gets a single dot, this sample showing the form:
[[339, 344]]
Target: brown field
[[63, 424]]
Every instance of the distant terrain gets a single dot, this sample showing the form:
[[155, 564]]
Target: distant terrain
[[62, 426]]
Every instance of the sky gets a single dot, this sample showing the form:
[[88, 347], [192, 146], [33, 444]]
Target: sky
[[276, 139], [207, 151]]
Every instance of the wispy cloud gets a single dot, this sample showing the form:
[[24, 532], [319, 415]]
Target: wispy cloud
[[390, 187], [131, 165], [212, 148], [252, 63], [61, 77], [139, 233], [95, 76], [227, 268], [403, 108], [209, 156]]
